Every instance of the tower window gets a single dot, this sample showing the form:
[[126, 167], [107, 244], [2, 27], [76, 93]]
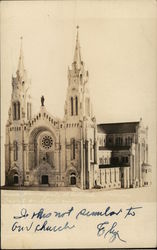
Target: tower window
[[76, 105], [16, 110], [18, 113], [72, 108]]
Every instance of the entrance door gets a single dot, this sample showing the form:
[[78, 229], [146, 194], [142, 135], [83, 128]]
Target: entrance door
[[44, 179], [73, 179], [16, 179]]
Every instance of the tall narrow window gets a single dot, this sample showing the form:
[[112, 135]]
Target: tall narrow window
[[72, 111], [15, 150], [76, 105], [14, 111], [18, 115]]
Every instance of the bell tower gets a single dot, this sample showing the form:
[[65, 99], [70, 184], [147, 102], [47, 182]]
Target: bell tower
[[20, 112], [21, 108], [80, 123], [78, 103]]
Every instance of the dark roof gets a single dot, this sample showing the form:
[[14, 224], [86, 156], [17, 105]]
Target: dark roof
[[114, 147], [117, 128], [113, 166]]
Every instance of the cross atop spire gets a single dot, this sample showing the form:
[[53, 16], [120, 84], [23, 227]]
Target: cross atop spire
[[77, 52], [20, 69]]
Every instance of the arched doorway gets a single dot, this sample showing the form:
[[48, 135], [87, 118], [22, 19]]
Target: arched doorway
[[16, 179], [44, 179], [73, 179]]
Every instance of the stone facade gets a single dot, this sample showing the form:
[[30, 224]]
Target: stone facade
[[44, 150]]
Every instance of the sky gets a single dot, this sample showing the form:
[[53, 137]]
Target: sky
[[118, 45]]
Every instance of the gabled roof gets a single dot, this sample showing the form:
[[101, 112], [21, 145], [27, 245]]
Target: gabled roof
[[117, 128]]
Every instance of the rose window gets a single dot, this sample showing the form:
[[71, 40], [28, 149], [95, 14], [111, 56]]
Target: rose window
[[47, 142]]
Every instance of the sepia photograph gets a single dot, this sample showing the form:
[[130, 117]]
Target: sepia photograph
[[78, 124]]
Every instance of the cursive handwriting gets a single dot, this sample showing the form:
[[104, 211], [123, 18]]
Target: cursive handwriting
[[19, 228], [62, 214], [111, 232], [40, 220], [40, 214], [23, 214], [131, 211], [45, 227], [107, 212]]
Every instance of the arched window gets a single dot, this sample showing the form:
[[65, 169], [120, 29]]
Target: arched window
[[15, 148], [72, 111], [14, 111], [73, 179], [76, 105], [18, 114]]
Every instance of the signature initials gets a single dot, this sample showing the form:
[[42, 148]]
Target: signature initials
[[112, 233]]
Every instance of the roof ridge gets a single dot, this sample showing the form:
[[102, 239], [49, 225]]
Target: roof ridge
[[117, 123]]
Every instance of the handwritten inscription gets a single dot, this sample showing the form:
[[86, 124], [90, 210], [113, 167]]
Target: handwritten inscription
[[107, 212], [59, 221], [112, 232]]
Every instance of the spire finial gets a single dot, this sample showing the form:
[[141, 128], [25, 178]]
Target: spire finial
[[21, 47], [77, 36], [77, 53], [20, 69]]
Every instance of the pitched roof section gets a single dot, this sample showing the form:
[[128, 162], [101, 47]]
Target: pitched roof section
[[117, 128]]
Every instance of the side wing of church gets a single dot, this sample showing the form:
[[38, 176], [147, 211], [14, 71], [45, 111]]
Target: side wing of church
[[75, 151]]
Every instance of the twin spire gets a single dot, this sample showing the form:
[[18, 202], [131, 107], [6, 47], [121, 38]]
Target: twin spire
[[77, 55], [77, 52]]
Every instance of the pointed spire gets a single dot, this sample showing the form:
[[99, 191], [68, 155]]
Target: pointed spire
[[20, 69], [77, 53]]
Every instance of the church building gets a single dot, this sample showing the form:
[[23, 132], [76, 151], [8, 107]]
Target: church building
[[42, 150]]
